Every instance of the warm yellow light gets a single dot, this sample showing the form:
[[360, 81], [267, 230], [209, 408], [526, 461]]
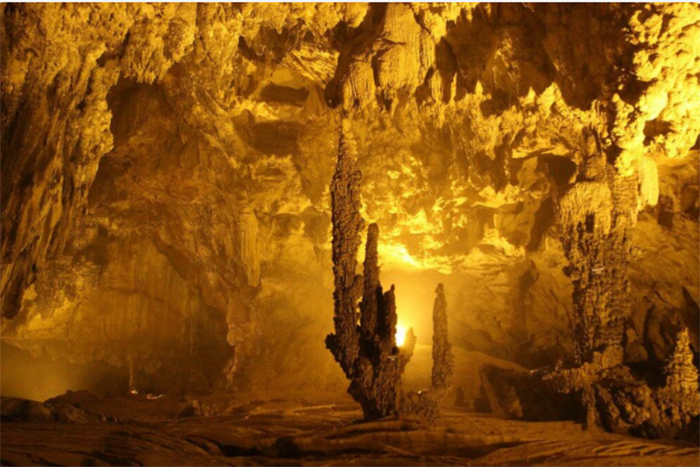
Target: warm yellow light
[[400, 334]]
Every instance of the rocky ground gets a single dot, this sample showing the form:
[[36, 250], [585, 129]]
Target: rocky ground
[[306, 430]]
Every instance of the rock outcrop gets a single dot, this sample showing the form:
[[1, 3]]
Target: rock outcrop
[[618, 398], [367, 353], [364, 343]]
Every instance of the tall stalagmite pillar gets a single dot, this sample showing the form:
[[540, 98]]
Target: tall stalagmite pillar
[[347, 225], [365, 344], [596, 215], [366, 352], [443, 359], [377, 379]]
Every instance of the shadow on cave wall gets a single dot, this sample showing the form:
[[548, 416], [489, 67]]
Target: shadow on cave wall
[[39, 378], [169, 336]]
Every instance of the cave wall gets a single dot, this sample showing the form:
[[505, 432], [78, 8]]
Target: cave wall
[[165, 173]]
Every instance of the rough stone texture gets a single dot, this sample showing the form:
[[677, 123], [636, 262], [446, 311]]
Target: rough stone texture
[[364, 343], [443, 358], [286, 430], [367, 353], [518, 395], [165, 173], [681, 373], [619, 398], [53, 410], [425, 404], [376, 364], [595, 240], [347, 227]]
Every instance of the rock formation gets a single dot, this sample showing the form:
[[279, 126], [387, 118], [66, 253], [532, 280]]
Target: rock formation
[[681, 374], [443, 359], [347, 225], [165, 174], [425, 404], [597, 215], [364, 343], [367, 353], [618, 398]]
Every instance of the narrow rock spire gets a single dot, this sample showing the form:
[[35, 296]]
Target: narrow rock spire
[[443, 359], [347, 225]]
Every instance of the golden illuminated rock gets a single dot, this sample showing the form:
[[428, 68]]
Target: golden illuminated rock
[[166, 173]]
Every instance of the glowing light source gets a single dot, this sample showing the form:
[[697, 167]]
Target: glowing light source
[[401, 332]]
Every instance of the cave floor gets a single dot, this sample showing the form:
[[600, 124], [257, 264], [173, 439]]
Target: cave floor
[[314, 431]]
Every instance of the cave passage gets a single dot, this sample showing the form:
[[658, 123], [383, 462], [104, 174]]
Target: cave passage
[[350, 234]]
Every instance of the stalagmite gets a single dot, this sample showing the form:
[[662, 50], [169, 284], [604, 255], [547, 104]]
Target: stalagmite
[[376, 382], [367, 353], [595, 237], [347, 224], [425, 404], [681, 374], [443, 359]]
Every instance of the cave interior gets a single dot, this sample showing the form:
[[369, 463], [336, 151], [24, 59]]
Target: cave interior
[[356, 234]]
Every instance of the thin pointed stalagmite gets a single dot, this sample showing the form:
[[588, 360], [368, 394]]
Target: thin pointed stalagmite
[[426, 404], [443, 359]]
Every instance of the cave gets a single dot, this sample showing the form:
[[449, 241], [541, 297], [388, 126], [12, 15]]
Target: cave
[[350, 234]]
